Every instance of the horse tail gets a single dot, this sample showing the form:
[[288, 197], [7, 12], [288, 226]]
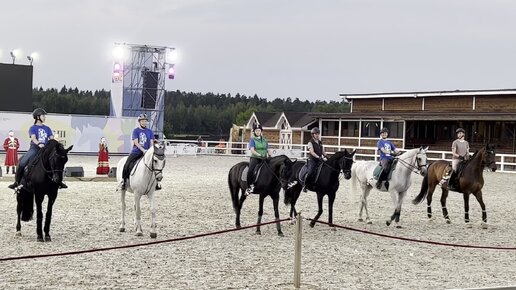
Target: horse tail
[[25, 199], [424, 191], [233, 188]]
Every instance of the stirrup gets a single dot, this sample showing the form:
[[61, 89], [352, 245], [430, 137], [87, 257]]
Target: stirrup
[[378, 184], [291, 184], [304, 189], [249, 190]]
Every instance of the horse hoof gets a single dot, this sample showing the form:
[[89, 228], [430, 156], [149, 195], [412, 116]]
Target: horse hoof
[[40, 239], [238, 226], [153, 235], [448, 221], [48, 239], [139, 234], [360, 219], [258, 233], [280, 234], [333, 229], [398, 226], [388, 223], [369, 222], [122, 230], [18, 235], [312, 224], [483, 225], [469, 225]]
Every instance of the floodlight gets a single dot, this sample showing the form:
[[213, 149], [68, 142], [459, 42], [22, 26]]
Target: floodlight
[[119, 52], [30, 58], [171, 56], [171, 72]]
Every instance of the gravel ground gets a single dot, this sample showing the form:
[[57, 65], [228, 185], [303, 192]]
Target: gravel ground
[[196, 200]]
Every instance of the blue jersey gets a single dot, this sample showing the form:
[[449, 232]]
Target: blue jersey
[[144, 136], [388, 146], [43, 134]]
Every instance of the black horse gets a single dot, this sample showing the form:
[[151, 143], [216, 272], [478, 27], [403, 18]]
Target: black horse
[[326, 184], [268, 184], [43, 178]]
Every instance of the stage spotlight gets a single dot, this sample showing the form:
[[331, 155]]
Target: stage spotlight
[[171, 56], [30, 58], [120, 52]]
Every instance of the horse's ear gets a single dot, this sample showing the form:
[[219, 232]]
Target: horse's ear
[[354, 151], [426, 148], [69, 148]]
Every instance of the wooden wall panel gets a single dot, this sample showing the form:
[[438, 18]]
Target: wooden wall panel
[[367, 105], [456, 104], [403, 104], [495, 103]]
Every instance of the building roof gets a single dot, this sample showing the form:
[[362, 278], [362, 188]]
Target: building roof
[[421, 115], [295, 119], [495, 92]]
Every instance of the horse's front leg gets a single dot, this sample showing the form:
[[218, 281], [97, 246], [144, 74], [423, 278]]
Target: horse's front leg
[[444, 196], [320, 197], [48, 216], [122, 199], [238, 210], [153, 232], [331, 199], [19, 209], [397, 199], [466, 209], [39, 216], [275, 202], [260, 213], [478, 195], [138, 214]]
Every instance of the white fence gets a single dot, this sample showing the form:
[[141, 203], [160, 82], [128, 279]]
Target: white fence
[[505, 162]]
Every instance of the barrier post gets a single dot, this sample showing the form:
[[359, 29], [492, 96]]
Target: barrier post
[[297, 256]]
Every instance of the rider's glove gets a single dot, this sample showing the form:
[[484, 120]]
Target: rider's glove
[[324, 158]]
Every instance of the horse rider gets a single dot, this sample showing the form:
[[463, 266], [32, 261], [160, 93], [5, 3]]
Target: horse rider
[[259, 148], [316, 155], [142, 139], [387, 152], [39, 134], [460, 152]]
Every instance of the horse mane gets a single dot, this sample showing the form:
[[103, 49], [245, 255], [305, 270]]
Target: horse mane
[[51, 145]]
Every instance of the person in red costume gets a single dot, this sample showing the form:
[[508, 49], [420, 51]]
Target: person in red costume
[[11, 145]]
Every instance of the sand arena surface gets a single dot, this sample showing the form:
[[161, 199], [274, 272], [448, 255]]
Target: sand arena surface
[[196, 199]]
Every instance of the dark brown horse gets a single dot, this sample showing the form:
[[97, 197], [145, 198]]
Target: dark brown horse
[[470, 181]]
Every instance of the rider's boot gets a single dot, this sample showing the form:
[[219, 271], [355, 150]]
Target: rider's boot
[[13, 186], [62, 185], [380, 179]]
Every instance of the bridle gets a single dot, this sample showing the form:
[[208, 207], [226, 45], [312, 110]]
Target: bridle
[[341, 165], [152, 169], [414, 168]]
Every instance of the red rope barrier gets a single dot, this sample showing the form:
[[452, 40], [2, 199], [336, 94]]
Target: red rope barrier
[[138, 245], [418, 241]]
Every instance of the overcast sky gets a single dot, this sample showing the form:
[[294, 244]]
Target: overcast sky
[[310, 49]]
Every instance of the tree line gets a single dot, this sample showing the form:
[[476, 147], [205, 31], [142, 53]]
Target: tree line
[[185, 112]]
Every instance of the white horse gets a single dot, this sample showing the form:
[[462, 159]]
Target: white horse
[[413, 160], [142, 181]]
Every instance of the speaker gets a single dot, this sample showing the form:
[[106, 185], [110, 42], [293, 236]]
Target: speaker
[[74, 171], [112, 172], [150, 89]]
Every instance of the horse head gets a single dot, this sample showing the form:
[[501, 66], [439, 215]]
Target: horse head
[[346, 162], [56, 156], [421, 160], [417, 156], [489, 158], [156, 158]]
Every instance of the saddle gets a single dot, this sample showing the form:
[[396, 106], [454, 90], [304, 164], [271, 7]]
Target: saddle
[[378, 170], [27, 171], [256, 173], [304, 171]]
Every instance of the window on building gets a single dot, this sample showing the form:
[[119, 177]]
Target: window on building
[[370, 128], [349, 129], [395, 129], [330, 128]]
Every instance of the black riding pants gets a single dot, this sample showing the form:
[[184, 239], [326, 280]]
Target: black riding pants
[[386, 167], [130, 159], [252, 165], [313, 164]]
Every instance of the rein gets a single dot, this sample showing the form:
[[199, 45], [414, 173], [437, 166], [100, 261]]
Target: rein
[[413, 168]]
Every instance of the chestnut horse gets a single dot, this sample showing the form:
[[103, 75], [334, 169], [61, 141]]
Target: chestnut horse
[[471, 181]]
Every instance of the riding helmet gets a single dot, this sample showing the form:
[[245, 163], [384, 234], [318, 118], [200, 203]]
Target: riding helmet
[[38, 112], [143, 117], [315, 130], [257, 126], [460, 130], [384, 130]]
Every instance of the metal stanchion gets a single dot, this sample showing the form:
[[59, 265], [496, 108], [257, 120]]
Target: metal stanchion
[[297, 258]]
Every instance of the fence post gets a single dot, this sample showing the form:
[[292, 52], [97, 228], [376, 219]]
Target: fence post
[[297, 256]]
